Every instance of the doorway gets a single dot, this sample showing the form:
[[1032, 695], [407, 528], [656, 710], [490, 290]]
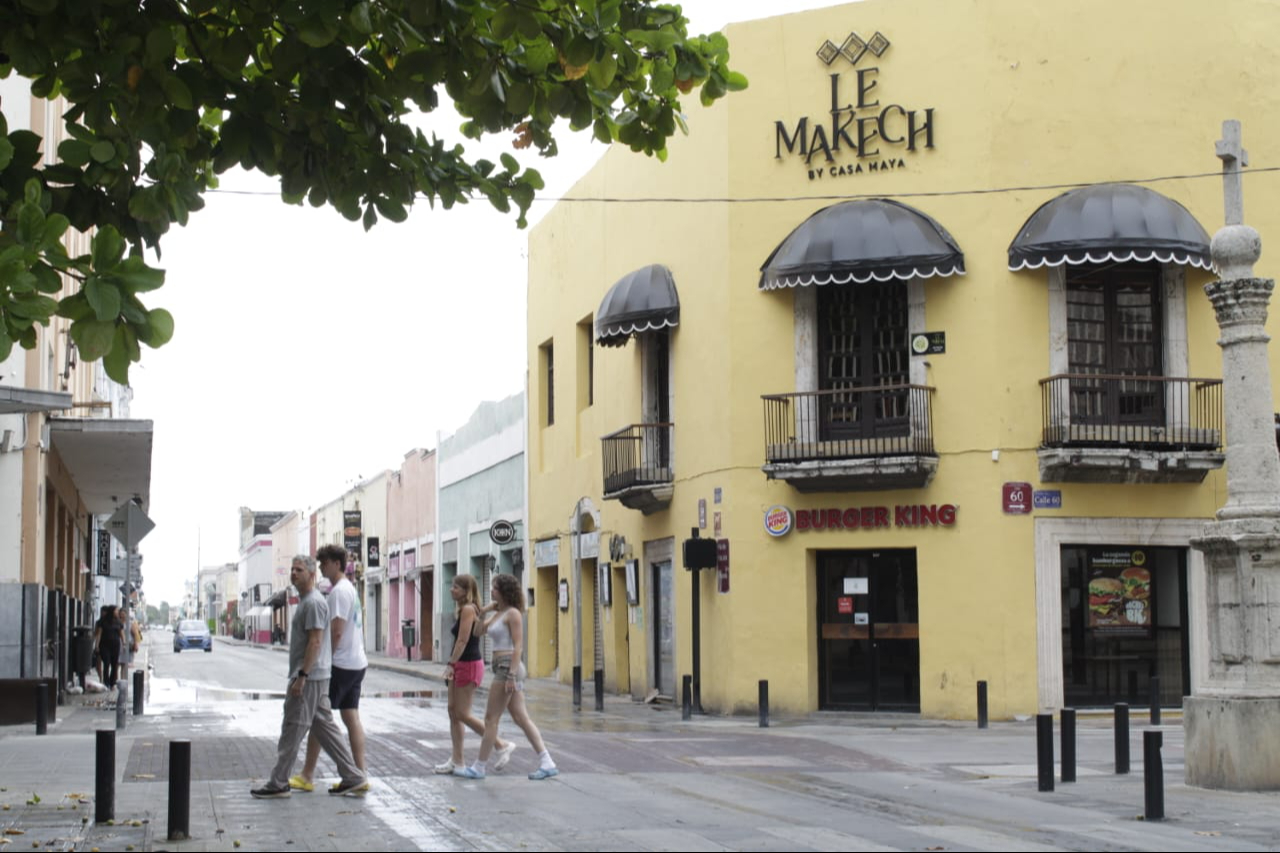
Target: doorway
[[664, 627], [869, 630]]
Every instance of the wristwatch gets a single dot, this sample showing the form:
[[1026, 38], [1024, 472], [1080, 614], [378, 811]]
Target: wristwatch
[[302, 673]]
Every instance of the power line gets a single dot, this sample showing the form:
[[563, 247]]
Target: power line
[[833, 197]]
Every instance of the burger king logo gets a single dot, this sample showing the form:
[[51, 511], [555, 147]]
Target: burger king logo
[[777, 521]]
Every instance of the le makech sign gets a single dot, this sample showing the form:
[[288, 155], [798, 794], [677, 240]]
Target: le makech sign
[[853, 518]]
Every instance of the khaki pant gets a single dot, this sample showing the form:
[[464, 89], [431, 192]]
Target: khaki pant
[[310, 712]]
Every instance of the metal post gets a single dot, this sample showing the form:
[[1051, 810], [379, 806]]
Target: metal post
[[138, 691], [599, 689], [982, 704], [1044, 750], [1155, 700], [686, 701], [122, 703], [764, 703], [577, 688], [1133, 686], [1122, 738], [42, 708], [104, 777], [696, 576], [1153, 774], [1068, 744], [179, 790]]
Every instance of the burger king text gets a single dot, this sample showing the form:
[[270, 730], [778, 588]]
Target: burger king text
[[912, 515]]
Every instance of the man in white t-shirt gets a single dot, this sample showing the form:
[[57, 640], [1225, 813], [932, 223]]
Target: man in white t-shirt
[[349, 662]]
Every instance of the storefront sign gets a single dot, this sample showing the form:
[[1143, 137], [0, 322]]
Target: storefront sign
[[702, 513], [854, 518], [777, 521], [862, 134], [564, 594], [351, 530], [929, 343], [546, 552], [856, 586], [722, 564], [1015, 498], [502, 532], [716, 524], [1047, 499], [1119, 591], [844, 604], [375, 552], [393, 567]]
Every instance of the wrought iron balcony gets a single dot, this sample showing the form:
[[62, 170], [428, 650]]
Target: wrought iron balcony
[[637, 466], [851, 439], [1125, 428]]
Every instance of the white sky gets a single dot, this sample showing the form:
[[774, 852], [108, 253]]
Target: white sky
[[308, 353]]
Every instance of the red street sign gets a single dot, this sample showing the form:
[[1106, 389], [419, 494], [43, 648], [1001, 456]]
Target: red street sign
[[1016, 498], [722, 563], [844, 604]]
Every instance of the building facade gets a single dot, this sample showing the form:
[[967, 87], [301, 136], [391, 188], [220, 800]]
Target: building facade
[[914, 329], [481, 504], [70, 457], [403, 590]]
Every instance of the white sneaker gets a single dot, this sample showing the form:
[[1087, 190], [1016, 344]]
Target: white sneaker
[[504, 755], [445, 769]]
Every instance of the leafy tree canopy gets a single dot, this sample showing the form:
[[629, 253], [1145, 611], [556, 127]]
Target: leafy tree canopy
[[164, 95]]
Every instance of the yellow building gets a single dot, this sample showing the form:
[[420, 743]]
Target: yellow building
[[914, 327]]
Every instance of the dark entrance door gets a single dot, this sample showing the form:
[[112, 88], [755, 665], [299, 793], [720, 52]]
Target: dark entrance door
[[869, 631]]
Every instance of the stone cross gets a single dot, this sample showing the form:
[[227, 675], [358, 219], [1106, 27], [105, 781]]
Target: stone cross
[[1233, 158]]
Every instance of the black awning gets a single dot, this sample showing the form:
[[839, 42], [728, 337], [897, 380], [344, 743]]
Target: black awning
[[641, 301], [860, 241], [278, 599], [1110, 223]]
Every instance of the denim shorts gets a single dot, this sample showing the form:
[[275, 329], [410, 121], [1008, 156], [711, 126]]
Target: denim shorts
[[502, 672]]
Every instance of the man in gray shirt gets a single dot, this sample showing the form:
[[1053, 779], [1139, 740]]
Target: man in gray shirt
[[306, 703]]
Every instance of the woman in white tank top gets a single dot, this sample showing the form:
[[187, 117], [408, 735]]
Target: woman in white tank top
[[506, 693]]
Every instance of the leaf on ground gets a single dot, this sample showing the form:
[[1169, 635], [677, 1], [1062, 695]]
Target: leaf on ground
[[11, 831]]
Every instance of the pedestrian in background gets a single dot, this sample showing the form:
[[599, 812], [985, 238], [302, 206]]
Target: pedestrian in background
[[506, 631], [346, 632], [108, 640], [464, 673], [306, 703]]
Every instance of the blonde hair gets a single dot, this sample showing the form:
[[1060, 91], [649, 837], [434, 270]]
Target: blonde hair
[[469, 586]]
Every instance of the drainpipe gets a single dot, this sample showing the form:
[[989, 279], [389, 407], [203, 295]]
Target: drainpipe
[[577, 586]]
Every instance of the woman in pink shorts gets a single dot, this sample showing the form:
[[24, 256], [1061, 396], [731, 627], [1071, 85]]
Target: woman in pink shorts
[[464, 673]]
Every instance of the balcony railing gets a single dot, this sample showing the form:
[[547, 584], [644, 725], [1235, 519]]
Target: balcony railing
[[1141, 412], [636, 456], [849, 423]]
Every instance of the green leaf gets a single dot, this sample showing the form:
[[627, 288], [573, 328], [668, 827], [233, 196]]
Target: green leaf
[[136, 277], [47, 278], [30, 224], [602, 131], [161, 323], [160, 44], [580, 50], [74, 307], [177, 92], [103, 297], [116, 361], [102, 151], [360, 20], [504, 22], [735, 81], [316, 33], [528, 24], [602, 72], [6, 155], [107, 248], [32, 306], [6, 344], [93, 337], [662, 78]]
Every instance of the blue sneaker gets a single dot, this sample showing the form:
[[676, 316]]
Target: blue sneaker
[[545, 773], [468, 773]]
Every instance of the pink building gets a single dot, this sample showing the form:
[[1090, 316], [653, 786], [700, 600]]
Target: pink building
[[405, 589]]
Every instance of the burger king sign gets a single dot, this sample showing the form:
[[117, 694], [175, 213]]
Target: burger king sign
[[777, 521]]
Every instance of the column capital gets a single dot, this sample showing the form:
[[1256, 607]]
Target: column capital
[[1240, 301]]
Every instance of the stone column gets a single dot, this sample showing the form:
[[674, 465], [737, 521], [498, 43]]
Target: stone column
[[1232, 722]]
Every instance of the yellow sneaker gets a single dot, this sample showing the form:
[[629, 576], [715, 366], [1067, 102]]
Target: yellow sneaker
[[297, 783]]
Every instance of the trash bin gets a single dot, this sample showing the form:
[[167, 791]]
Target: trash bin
[[408, 636], [81, 650]]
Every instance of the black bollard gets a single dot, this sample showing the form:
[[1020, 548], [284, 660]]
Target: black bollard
[[764, 703], [1122, 738], [179, 790], [982, 704], [138, 687], [42, 708], [1155, 700], [577, 688], [1068, 744], [1153, 774], [599, 689], [1133, 686], [104, 777], [686, 700], [1044, 750]]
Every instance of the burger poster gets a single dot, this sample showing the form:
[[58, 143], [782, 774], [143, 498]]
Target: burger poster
[[1119, 591]]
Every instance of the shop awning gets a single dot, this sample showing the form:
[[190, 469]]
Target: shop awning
[[109, 459], [278, 599], [15, 401], [641, 301], [1110, 223], [855, 242]]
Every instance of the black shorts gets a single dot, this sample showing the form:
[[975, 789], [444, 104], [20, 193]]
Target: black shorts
[[344, 688]]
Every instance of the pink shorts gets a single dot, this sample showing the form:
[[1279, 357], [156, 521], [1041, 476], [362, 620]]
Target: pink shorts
[[467, 672]]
